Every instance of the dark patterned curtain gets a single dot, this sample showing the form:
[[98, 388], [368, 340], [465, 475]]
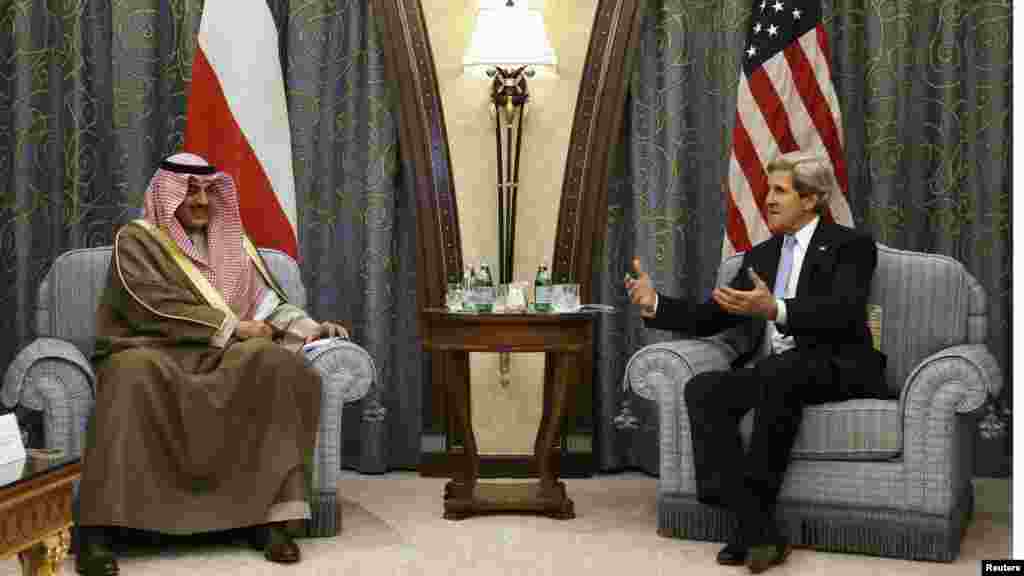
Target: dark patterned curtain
[[358, 218], [92, 96], [924, 88]]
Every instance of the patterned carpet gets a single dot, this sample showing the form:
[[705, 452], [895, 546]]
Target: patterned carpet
[[392, 525]]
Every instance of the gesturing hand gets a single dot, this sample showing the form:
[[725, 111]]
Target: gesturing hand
[[640, 290], [758, 302]]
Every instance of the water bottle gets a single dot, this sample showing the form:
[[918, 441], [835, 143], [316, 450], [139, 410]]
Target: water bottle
[[484, 276], [484, 288], [468, 296], [542, 289]]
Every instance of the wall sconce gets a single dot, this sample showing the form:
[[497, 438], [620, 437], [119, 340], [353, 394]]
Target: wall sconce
[[509, 45]]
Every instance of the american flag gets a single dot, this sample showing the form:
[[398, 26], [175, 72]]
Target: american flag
[[785, 102]]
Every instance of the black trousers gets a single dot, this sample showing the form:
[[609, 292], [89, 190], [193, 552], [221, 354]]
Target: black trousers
[[777, 388]]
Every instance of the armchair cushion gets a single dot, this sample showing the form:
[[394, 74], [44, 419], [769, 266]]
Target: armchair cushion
[[864, 429], [928, 302], [68, 296], [287, 274]]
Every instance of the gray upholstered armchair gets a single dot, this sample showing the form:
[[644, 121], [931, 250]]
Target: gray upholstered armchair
[[885, 477], [53, 374]]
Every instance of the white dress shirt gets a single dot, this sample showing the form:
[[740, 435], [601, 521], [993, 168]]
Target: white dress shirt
[[777, 342], [199, 240]]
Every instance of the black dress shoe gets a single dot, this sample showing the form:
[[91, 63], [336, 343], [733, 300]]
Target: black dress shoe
[[95, 556], [280, 547], [256, 536], [734, 554], [763, 556]]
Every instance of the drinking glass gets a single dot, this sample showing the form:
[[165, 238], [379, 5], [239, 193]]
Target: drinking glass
[[500, 298], [516, 298], [565, 297]]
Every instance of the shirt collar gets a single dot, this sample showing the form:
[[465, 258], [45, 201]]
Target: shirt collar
[[804, 235]]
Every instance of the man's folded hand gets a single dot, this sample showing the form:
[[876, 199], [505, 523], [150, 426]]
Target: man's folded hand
[[253, 329], [328, 330]]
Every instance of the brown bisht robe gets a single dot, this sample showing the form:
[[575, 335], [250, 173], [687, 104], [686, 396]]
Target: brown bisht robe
[[188, 436]]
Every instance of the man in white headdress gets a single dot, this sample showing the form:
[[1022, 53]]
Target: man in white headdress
[[205, 420]]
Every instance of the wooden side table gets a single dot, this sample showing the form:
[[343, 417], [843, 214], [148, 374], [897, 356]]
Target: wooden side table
[[35, 512], [451, 337]]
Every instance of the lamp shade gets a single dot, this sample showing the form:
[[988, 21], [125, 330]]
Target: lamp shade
[[508, 33]]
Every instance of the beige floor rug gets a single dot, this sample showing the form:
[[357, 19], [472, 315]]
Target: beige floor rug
[[392, 525]]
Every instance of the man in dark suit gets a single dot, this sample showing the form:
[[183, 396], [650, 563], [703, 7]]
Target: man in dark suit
[[814, 347]]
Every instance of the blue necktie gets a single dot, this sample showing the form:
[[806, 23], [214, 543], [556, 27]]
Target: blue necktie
[[785, 266]]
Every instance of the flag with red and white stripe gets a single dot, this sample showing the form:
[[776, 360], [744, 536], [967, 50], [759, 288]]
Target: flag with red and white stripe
[[237, 116], [785, 102]]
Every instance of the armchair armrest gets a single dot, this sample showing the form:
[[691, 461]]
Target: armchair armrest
[[345, 366], [346, 371], [958, 378], [937, 448], [661, 372], [674, 361], [53, 376]]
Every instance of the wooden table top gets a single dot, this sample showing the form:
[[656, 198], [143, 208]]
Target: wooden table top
[[24, 476], [512, 332]]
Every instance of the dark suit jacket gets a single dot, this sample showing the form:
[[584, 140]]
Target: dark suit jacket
[[828, 315]]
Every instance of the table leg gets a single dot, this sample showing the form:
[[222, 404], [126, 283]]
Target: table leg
[[542, 451], [551, 420], [458, 492], [46, 557], [555, 393]]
